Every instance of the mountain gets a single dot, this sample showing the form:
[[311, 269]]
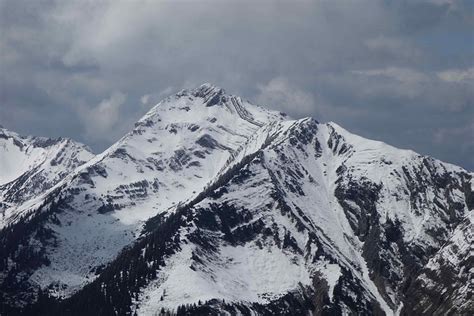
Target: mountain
[[29, 166], [212, 205]]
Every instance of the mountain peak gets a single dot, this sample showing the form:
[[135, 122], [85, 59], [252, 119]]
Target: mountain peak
[[212, 95], [208, 103], [202, 91], [208, 86]]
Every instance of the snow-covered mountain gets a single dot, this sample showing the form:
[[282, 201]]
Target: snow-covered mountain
[[212, 205], [29, 166]]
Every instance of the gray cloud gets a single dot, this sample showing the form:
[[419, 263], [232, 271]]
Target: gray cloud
[[397, 71]]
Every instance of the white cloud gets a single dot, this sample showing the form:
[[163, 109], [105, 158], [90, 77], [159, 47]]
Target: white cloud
[[100, 120], [282, 95], [151, 98], [442, 2], [382, 43], [167, 91], [144, 99], [456, 75], [404, 75]]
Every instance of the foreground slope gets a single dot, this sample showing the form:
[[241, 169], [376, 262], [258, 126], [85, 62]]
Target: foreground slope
[[246, 211]]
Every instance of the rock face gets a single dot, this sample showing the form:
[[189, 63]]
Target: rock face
[[211, 205]]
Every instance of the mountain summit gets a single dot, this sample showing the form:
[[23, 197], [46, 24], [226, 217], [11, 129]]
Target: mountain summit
[[212, 205]]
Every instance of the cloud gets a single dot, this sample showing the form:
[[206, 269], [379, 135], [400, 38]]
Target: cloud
[[282, 95], [445, 135], [166, 92], [404, 75], [405, 83], [394, 48], [144, 99], [457, 75], [101, 119], [154, 97]]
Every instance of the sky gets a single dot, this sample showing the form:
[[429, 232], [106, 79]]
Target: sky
[[397, 71]]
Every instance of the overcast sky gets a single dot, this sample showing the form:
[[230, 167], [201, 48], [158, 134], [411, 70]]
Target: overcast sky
[[397, 71]]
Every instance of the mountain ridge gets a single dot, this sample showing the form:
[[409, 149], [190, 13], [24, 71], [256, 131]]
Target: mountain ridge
[[206, 182], [32, 165]]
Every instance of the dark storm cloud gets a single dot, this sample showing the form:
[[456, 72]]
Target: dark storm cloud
[[397, 71]]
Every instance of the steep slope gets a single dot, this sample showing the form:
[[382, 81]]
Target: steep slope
[[29, 166], [213, 205], [296, 224], [255, 238], [173, 152], [360, 230], [444, 286]]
